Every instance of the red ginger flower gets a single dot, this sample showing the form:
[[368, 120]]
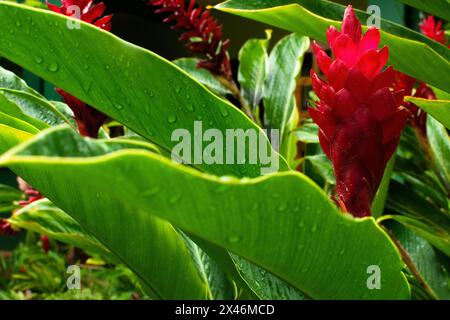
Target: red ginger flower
[[203, 33], [433, 29], [89, 12], [359, 117], [89, 120]]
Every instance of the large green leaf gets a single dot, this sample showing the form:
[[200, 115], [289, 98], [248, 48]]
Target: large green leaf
[[408, 49], [440, 148], [439, 109], [151, 247], [45, 218], [147, 93], [10, 137], [440, 8], [282, 222], [285, 63]]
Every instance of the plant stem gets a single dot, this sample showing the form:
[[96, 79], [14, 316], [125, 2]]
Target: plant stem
[[231, 85], [410, 264]]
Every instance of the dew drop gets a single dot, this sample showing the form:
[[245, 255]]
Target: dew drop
[[190, 107], [18, 24], [53, 67], [282, 207], [118, 106], [151, 192], [233, 239], [38, 60], [172, 119], [314, 228], [174, 199], [341, 252]]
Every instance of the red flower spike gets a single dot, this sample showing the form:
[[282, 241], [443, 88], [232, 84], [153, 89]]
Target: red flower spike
[[433, 29], [89, 12], [359, 116], [89, 120], [203, 33]]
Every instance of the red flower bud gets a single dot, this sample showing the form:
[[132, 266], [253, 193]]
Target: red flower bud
[[45, 243], [359, 116]]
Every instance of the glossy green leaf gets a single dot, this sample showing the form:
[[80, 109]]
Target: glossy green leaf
[[35, 107], [307, 133], [440, 147], [44, 217], [265, 285], [10, 137], [9, 80], [281, 222], [408, 49], [253, 69], [323, 167], [433, 267], [436, 235], [8, 198], [440, 8], [149, 246], [152, 96], [439, 109], [13, 122], [202, 75], [284, 66]]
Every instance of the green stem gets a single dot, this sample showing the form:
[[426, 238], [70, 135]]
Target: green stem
[[231, 85]]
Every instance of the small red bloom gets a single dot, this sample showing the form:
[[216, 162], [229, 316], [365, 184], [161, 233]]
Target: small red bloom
[[31, 193], [433, 29], [6, 228], [203, 33], [45, 243], [359, 116], [88, 12]]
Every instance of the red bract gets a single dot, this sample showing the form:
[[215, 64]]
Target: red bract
[[89, 12], [359, 116], [418, 117], [31, 193], [6, 229], [89, 120], [203, 33], [433, 29]]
